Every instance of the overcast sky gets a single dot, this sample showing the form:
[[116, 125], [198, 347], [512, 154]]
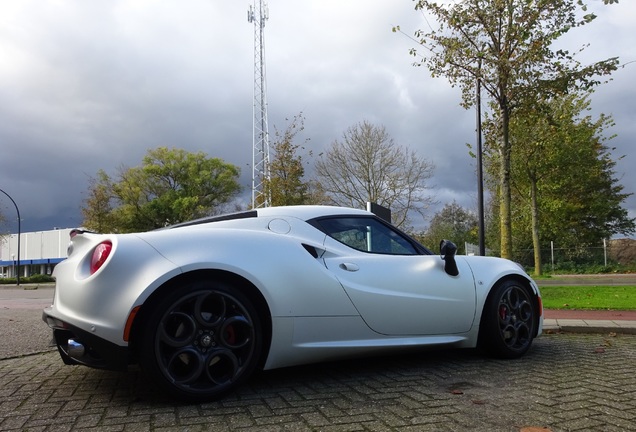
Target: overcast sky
[[89, 85]]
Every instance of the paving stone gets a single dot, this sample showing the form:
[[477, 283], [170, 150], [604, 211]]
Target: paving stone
[[562, 384]]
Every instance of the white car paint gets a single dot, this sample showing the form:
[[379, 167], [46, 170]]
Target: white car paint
[[340, 302]]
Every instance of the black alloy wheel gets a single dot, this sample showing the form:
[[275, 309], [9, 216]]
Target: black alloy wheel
[[201, 341], [509, 320]]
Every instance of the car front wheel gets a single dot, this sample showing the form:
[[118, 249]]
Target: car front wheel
[[200, 341], [509, 320]]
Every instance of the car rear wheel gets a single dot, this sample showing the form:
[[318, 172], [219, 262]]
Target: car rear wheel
[[509, 320], [200, 341]]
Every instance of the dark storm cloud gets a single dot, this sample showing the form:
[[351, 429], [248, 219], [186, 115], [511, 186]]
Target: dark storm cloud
[[93, 85]]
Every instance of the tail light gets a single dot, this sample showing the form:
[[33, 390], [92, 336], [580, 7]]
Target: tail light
[[100, 254]]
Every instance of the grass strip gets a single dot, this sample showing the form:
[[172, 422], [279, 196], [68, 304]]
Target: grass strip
[[589, 297]]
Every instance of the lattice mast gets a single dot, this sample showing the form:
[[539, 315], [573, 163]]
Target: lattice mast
[[258, 14]]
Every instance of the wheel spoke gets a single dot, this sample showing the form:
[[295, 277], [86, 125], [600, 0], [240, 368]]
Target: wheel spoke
[[210, 309], [222, 366], [525, 311], [177, 329], [509, 335], [185, 366], [236, 332]]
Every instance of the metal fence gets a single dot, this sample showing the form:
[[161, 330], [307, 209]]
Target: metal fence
[[614, 252]]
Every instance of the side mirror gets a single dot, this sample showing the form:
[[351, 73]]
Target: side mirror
[[448, 249]]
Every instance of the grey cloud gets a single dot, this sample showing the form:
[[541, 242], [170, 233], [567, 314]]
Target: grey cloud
[[92, 85]]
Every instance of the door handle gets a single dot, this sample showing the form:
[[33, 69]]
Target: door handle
[[349, 267]]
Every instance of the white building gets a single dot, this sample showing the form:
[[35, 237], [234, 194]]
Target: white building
[[40, 251]]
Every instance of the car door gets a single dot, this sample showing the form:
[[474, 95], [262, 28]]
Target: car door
[[396, 289]]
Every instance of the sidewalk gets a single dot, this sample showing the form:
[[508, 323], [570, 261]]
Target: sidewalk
[[595, 321]]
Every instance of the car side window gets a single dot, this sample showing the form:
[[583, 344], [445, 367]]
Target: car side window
[[367, 235]]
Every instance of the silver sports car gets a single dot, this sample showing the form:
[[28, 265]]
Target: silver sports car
[[201, 304]]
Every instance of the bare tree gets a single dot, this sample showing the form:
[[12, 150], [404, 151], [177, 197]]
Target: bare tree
[[368, 166]]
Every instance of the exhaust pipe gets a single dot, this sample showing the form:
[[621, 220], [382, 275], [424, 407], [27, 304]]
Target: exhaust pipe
[[75, 349]]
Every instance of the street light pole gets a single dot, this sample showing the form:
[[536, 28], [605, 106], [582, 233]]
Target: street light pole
[[17, 273], [480, 172]]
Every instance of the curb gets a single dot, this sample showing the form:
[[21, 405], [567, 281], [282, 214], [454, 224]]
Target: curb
[[589, 326]]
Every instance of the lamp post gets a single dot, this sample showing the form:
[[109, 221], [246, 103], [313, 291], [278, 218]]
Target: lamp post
[[480, 172], [17, 273]]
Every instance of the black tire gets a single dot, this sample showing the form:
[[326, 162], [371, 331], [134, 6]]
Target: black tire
[[200, 341], [509, 320]]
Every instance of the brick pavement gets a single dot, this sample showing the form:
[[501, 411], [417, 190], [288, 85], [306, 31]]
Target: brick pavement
[[567, 382]]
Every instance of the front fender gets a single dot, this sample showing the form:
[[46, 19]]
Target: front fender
[[490, 271]]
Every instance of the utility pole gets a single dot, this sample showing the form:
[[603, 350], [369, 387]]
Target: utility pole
[[258, 14]]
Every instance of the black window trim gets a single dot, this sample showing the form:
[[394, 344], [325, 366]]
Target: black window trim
[[422, 250]]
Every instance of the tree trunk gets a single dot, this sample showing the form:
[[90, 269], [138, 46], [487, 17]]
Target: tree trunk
[[505, 218], [535, 227]]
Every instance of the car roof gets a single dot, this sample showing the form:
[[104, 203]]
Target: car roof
[[303, 212], [307, 212]]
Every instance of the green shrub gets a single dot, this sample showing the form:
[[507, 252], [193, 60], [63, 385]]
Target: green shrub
[[36, 278], [40, 278]]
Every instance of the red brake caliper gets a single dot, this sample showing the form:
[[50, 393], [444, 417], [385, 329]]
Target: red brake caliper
[[503, 311], [230, 335]]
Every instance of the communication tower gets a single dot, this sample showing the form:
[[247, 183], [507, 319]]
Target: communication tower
[[258, 14]]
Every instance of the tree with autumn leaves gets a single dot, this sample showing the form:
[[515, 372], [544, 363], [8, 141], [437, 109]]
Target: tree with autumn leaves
[[564, 187], [508, 45], [287, 184], [171, 186]]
